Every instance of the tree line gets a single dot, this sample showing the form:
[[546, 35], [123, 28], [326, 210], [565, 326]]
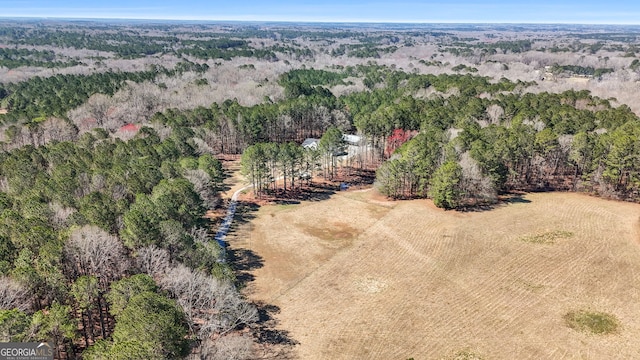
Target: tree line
[[477, 112], [132, 43], [229, 128], [264, 164], [38, 98], [100, 233], [567, 141], [13, 58]]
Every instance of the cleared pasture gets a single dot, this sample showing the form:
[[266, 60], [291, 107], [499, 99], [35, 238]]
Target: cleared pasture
[[358, 277]]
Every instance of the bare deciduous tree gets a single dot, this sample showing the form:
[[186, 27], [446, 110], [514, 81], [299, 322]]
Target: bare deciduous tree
[[202, 185], [98, 106], [4, 184], [475, 182], [58, 129], [194, 291], [153, 261], [212, 306], [495, 113], [230, 347], [60, 214], [13, 295], [232, 311], [92, 251], [202, 147]]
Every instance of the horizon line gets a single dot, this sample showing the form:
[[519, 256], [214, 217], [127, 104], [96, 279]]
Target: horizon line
[[315, 21]]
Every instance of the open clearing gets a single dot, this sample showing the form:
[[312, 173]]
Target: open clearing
[[358, 277]]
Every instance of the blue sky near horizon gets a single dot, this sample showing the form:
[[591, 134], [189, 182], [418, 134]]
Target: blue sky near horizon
[[452, 11]]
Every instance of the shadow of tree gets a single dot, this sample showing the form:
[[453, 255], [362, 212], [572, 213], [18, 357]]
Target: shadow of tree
[[243, 261], [478, 208], [265, 328], [273, 343], [509, 198], [312, 192], [516, 199], [227, 173], [245, 212]]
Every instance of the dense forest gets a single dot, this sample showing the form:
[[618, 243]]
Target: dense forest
[[110, 138], [82, 221], [481, 142]]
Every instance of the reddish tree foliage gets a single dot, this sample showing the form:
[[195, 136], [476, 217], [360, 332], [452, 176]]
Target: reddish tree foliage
[[397, 138], [130, 128]]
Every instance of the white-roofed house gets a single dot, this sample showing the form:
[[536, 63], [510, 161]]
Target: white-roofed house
[[311, 143]]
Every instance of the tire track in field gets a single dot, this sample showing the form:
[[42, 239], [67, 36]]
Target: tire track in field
[[421, 250], [529, 268], [363, 265], [451, 285], [396, 258], [521, 266], [360, 256]]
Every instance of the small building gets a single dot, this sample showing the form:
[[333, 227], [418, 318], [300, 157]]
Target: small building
[[352, 139], [131, 128], [311, 143]]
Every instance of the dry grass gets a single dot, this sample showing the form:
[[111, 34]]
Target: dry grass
[[358, 277], [548, 237], [464, 355]]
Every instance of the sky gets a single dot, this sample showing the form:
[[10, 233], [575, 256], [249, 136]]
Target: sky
[[402, 11]]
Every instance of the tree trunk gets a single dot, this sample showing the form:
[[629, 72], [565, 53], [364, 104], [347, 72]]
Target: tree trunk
[[90, 321], [84, 327], [102, 326]]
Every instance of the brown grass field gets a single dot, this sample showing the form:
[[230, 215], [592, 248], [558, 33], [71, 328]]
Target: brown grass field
[[359, 277]]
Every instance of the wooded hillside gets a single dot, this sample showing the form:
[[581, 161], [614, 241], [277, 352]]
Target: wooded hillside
[[110, 134]]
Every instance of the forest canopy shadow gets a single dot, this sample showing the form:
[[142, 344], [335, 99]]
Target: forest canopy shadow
[[516, 198], [479, 207], [311, 192], [245, 213], [506, 199], [266, 332], [243, 261]]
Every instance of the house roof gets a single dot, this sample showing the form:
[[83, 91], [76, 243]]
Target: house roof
[[130, 127], [310, 142], [353, 139]]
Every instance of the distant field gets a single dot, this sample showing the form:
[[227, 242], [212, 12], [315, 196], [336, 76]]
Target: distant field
[[357, 277]]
